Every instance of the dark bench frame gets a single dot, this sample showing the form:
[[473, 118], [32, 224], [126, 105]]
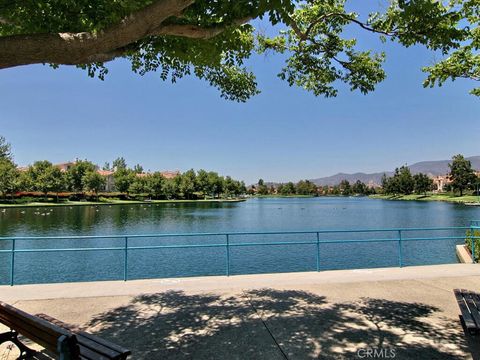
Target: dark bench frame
[[469, 304], [66, 341]]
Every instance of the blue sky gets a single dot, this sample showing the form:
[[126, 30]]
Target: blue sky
[[282, 134]]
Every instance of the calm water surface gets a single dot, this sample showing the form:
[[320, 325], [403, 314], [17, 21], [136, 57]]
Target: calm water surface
[[287, 214]]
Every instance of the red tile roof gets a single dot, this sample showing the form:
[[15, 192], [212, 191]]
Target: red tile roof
[[105, 172], [170, 174]]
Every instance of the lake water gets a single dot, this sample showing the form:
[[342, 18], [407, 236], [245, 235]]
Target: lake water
[[255, 215]]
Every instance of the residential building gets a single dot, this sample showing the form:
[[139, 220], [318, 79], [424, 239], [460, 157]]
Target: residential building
[[109, 179], [439, 183]]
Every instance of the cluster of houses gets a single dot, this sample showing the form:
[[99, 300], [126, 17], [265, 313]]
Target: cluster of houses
[[441, 181], [109, 174]]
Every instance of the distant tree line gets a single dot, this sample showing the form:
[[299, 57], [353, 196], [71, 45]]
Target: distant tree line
[[306, 187], [189, 185], [347, 189], [461, 177], [83, 176], [403, 182]]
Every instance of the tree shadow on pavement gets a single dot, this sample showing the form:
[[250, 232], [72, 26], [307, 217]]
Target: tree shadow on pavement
[[278, 324]]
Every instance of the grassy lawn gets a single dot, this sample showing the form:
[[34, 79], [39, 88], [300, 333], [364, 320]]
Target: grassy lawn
[[110, 202], [284, 196], [430, 197]]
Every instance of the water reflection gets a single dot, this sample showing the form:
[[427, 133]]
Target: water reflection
[[253, 215]]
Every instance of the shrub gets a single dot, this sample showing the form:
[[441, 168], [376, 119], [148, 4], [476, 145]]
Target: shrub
[[468, 242]]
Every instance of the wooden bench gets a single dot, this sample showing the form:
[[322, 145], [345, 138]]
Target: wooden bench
[[64, 340], [469, 304]]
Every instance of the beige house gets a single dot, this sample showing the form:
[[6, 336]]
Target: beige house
[[64, 167], [170, 174], [109, 179], [439, 183], [165, 174]]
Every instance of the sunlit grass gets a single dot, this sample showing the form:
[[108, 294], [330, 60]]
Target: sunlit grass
[[430, 197]]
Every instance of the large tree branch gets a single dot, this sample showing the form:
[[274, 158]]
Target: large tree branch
[[197, 32], [181, 30], [79, 48]]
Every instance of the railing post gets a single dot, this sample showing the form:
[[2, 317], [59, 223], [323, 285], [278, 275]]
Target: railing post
[[125, 263], [12, 270], [318, 251], [400, 260], [228, 254], [472, 234]]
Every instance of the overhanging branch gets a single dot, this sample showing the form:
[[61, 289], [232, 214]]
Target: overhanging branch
[[78, 48], [197, 32]]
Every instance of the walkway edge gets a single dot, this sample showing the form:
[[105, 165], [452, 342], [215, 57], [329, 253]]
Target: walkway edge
[[224, 283]]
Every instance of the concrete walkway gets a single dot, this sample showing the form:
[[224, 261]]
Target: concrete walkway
[[407, 313]]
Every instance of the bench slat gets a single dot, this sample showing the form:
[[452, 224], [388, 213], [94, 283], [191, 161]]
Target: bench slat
[[91, 344], [48, 332], [8, 312], [38, 330], [104, 342], [467, 317], [476, 299], [89, 354], [472, 308], [46, 340]]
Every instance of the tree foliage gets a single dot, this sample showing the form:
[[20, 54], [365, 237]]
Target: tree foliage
[[213, 39], [138, 169], [404, 183], [45, 178], [119, 164], [461, 174], [124, 178], [9, 177], [76, 174], [93, 181], [5, 149], [422, 183]]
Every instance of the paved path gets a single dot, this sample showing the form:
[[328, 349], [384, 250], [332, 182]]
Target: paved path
[[410, 313]]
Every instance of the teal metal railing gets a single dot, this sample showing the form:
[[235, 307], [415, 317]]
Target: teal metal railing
[[397, 236]]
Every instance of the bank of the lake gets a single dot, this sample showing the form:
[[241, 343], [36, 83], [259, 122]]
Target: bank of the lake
[[465, 199], [279, 196], [114, 202]]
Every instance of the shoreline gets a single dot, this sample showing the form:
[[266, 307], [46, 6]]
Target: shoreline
[[116, 202], [282, 196], [465, 199]]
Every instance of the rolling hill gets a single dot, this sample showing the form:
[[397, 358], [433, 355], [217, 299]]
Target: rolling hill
[[432, 168]]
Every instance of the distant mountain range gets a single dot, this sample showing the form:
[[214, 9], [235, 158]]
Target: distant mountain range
[[432, 168]]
